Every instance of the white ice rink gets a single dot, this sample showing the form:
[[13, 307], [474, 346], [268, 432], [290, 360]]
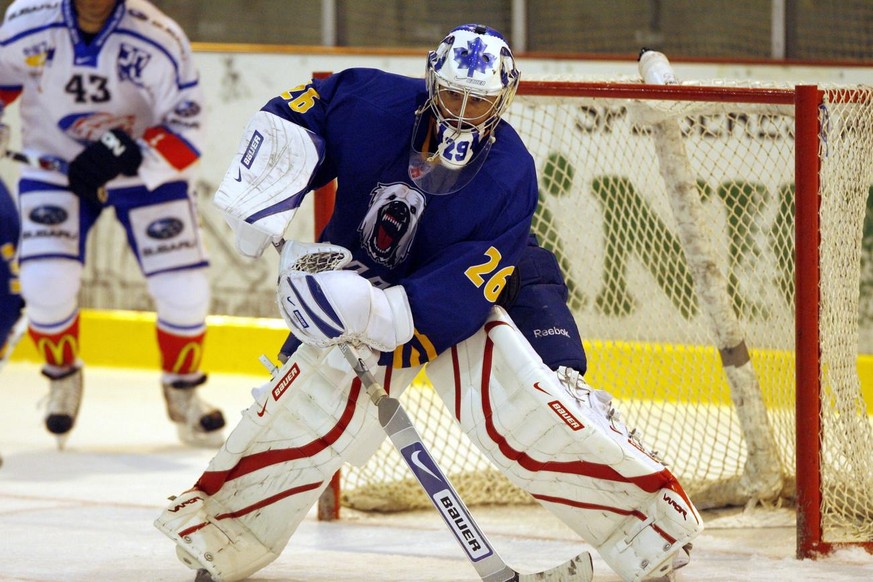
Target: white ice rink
[[85, 514]]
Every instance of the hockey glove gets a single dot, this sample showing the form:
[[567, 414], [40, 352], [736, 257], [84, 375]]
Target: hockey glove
[[113, 154], [336, 307]]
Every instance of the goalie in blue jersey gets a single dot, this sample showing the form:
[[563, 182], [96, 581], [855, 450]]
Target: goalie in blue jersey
[[435, 197]]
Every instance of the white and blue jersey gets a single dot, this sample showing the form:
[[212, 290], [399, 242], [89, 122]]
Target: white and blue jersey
[[137, 74]]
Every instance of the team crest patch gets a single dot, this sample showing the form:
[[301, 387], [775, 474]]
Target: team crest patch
[[131, 63], [389, 227], [38, 55]]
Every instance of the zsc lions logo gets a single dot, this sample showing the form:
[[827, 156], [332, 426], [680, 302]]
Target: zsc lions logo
[[164, 228], [48, 215], [389, 226]]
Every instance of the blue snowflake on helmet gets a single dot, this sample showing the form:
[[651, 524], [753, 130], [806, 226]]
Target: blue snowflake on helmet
[[473, 58]]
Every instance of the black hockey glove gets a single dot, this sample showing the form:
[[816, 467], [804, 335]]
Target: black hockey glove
[[113, 154]]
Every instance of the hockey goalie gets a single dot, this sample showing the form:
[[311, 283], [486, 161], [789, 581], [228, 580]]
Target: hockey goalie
[[426, 261]]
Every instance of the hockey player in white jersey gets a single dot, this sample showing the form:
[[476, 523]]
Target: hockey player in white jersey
[[433, 210], [108, 90]]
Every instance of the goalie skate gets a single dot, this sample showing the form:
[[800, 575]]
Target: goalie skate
[[64, 399], [197, 423]]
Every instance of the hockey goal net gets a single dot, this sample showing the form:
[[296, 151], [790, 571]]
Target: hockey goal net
[[674, 213]]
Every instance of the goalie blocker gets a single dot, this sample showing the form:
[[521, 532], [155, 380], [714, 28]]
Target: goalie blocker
[[553, 439]]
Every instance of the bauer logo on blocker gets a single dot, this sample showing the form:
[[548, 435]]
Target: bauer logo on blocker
[[252, 149]]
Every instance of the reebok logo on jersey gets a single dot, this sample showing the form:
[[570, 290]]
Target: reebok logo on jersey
[[252, 150], [286, 381], [565, 415], [551, 331]]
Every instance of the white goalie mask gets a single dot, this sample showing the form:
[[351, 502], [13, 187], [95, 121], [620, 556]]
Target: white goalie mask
[[471, 80]]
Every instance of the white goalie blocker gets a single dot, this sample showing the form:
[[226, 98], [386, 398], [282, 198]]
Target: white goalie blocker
[[555, 442], [267, 180]]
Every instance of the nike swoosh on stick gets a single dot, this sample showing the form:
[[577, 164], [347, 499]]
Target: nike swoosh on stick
[[418, 463], [238, 175], [263, 408]]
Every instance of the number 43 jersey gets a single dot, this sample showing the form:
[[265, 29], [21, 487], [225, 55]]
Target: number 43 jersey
[[136, 74]]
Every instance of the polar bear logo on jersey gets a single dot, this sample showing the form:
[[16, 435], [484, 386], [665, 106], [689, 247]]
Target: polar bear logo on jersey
[[390, 224]]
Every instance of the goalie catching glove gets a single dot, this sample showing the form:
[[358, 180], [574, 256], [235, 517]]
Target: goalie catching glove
[[331, 307], [113, 154]]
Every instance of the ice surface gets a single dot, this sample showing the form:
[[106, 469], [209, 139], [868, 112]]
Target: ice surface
[[85, 514]]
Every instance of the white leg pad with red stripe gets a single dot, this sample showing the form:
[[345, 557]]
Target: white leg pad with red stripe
[[304, 424], [563, 449]]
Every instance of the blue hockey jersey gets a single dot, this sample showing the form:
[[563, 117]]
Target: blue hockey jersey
[[452, 253]]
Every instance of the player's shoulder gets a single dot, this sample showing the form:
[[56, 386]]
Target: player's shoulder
[[30, 15], [511, 157], [376, 86], [511, 173], [147, 20]]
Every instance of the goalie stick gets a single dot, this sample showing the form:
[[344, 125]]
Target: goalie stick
[[46, 162], [403, 434]]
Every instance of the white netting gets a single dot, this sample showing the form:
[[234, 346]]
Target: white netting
[[847, 461]]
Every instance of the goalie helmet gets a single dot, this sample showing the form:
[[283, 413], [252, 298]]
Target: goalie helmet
[[471, 79], [472, 63]]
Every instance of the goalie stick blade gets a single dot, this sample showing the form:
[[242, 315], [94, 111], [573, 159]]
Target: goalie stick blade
[[577, 569]]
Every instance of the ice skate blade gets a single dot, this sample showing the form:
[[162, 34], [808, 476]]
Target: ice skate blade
[[203, 576]]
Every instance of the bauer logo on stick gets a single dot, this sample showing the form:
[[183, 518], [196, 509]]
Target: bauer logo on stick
[[452, 509]]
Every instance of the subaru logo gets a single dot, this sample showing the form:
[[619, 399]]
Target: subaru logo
[[48, 215], [165, 228]]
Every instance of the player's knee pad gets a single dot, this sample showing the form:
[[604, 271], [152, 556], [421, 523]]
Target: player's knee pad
[[304, 424], [181, 297], [564, 448], [50, 288]]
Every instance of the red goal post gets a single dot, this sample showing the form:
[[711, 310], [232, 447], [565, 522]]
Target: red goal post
[[674, 212]]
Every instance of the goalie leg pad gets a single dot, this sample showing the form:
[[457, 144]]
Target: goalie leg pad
[[564, 450], [303, 425]]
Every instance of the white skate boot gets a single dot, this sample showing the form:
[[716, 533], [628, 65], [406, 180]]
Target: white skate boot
[[198, 424], [65, 396]]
